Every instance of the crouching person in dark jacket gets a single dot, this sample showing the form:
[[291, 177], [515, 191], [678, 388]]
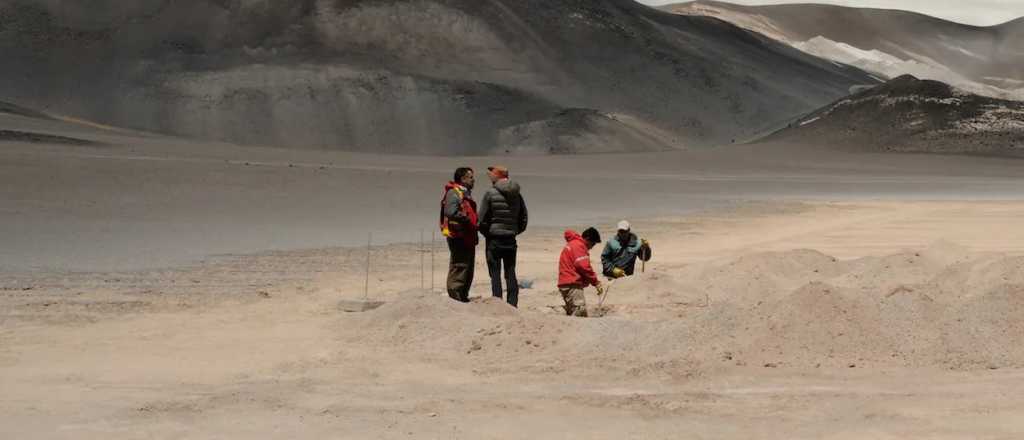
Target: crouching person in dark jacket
[[503, 216]]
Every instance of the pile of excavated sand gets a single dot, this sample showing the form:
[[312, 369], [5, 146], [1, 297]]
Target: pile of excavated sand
[[496, 338], [816, 323], [938, 307]]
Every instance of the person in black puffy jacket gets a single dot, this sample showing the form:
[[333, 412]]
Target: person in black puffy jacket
[[503, 216]]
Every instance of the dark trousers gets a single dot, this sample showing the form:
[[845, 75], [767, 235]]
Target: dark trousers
[[460, 269], [501, 254]]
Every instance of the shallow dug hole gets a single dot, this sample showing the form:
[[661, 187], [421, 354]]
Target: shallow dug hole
[[783, 309]]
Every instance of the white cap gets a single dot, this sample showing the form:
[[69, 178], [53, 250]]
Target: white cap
[[623, 225]]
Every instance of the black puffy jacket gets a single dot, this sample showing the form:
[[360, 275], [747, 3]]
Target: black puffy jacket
[[503, 211]]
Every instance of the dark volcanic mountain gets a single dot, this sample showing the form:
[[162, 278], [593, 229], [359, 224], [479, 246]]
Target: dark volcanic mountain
[[987, 60], [912, 115], [420, 76]]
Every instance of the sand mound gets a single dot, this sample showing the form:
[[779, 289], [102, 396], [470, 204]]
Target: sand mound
[[977, 277], [882, 275], [787, 264], [986, 330], [652, 295], [763, 276], [911, 318], [813, 311], [440, 327], [820, 324], [499, 339]]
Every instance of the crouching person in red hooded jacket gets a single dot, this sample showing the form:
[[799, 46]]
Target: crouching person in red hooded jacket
[[459, 224], [575, 272]]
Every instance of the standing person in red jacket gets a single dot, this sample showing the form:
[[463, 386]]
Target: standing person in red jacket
[[575, 272], [459, 224]]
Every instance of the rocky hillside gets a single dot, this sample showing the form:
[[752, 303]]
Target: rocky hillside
[[889, 43], [912, 115], [409, 76]]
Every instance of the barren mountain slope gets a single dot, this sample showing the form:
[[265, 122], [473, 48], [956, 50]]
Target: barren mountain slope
[[984, 60], [422, 76]]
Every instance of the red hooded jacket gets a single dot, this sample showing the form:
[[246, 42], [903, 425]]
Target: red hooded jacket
[[574, 268]]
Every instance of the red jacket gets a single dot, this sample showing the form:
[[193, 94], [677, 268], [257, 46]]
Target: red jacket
[[574, 268], [465, 229]]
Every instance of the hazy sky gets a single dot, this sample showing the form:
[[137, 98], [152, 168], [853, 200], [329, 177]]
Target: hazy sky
[[976, 12]]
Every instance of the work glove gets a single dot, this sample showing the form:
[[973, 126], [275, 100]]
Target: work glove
[[600, 289], [618, 273]]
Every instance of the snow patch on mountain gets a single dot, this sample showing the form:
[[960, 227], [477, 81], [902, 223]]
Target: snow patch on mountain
[[965, 51], [810, 121], [753, 22], [891, 55], [891, 66], [845, 53]]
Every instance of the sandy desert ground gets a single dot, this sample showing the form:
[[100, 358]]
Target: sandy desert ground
[[157, 288], [808, 286], [738, 330]]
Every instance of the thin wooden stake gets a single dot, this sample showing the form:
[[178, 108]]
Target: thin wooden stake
[[433, 242], [422, 251], [366, 287]]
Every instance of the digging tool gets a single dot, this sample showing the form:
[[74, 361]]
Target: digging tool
[[607, 290], [644, 254]]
